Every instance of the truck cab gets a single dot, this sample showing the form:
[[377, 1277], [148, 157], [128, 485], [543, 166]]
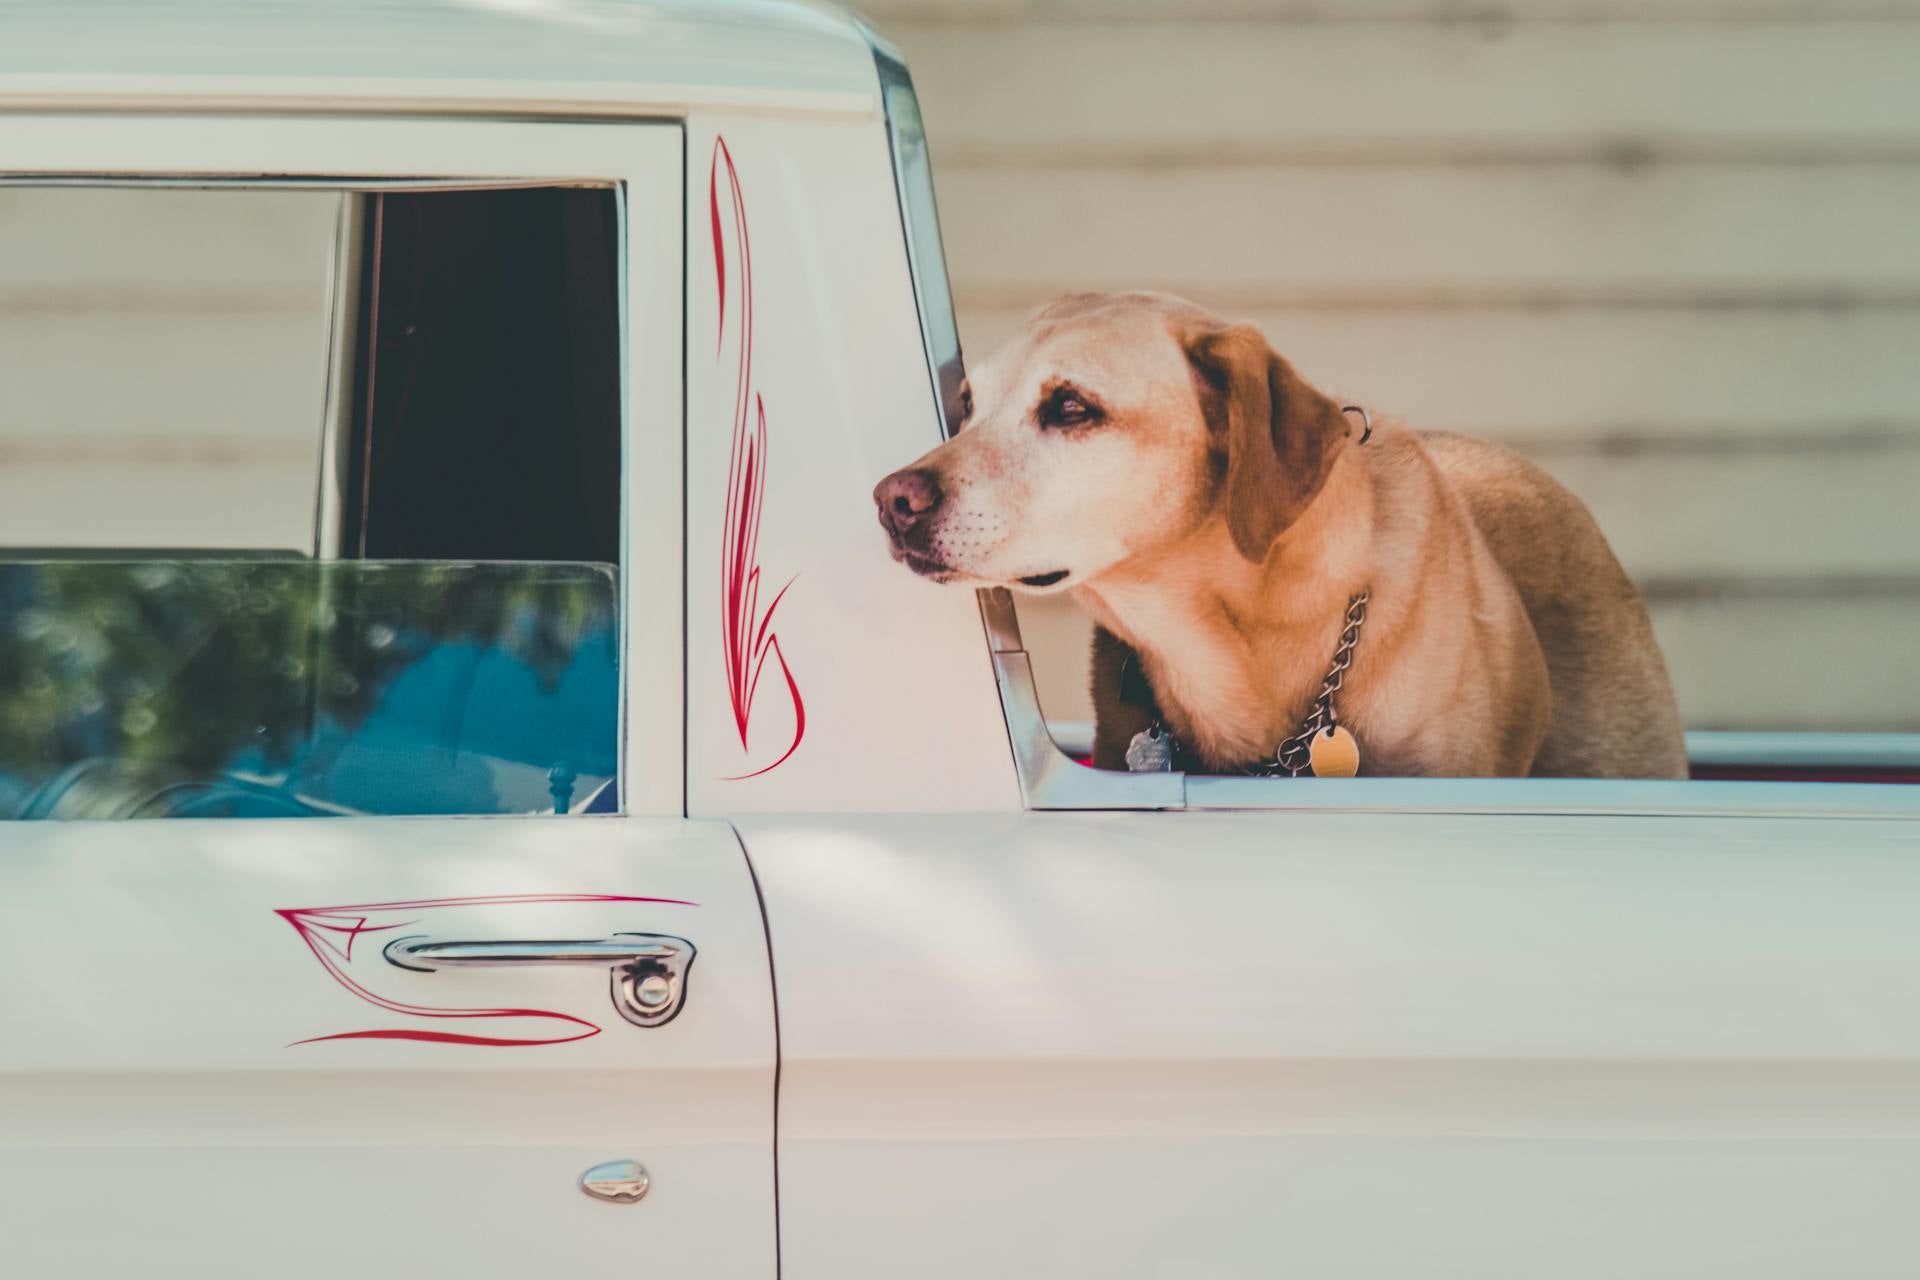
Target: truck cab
[[697, 891]]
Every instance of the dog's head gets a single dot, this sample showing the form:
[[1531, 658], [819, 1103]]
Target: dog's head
[[1112, 427]]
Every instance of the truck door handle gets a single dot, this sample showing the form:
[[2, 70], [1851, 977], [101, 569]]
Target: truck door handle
[[647, 971]]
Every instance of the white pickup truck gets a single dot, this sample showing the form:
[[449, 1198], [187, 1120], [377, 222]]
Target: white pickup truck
[[840, 965]]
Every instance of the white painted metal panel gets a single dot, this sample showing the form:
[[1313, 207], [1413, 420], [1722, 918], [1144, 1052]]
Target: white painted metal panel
[[158, 1104], [1249, 1044], [583, 56], [901, 709]]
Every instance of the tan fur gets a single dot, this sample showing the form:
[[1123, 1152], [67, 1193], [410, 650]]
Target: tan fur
[[1217, 519]]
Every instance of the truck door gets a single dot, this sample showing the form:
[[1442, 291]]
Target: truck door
[[424, 970]]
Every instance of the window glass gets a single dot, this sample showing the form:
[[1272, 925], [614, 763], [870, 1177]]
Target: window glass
[[168, 688], [309, 501]]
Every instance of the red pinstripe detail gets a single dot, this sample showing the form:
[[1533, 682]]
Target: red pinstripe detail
[[747, 632], [331, 932]]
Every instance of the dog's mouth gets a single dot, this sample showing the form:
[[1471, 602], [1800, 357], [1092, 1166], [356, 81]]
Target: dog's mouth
[[938, 570], [924, 565]]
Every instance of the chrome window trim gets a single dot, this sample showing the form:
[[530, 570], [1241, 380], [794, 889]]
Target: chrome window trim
[[1559, 797], [926, 255], [1805, 750]]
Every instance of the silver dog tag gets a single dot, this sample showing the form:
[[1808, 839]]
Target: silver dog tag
[[1150, 751]]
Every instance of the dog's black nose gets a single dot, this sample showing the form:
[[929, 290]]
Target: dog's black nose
[[906, 499]]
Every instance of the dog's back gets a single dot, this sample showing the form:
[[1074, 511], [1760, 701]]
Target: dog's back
[[1613, 712]]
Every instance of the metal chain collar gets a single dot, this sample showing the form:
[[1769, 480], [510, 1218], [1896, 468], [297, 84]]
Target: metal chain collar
[[1293, 754]]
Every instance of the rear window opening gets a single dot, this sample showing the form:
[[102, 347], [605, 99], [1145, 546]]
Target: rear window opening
[[309, 501]]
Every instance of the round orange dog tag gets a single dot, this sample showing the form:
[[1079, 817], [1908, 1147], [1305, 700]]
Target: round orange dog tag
[[1334, 754]]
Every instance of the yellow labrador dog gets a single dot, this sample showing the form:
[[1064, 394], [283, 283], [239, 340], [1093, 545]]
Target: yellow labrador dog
[[1271, 574]]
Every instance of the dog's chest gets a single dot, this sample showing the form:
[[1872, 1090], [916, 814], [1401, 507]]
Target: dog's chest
[[1230, 697], [1233, 709]]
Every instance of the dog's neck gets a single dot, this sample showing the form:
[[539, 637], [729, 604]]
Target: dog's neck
[[1236, 651]]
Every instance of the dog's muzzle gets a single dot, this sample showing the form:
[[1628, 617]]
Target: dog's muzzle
[[908, 501]]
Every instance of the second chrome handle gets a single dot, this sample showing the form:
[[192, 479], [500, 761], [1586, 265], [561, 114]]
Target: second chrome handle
[[647, 971]]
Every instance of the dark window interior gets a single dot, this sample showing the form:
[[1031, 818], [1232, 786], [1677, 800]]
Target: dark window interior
[[487, 404]]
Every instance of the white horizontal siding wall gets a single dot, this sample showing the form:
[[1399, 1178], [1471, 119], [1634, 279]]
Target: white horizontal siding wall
[[162, 366], [1670, 248]]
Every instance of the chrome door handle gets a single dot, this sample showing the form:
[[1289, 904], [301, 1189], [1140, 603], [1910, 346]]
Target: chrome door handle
[[647, 971]]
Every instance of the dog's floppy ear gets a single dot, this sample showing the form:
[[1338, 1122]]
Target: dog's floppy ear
[[1279, 435]]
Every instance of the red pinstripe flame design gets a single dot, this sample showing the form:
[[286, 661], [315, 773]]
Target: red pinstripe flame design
[[330, 933], [746, 629]]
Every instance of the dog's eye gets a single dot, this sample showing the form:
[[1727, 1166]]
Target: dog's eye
[[1068, 408], [966, 403]]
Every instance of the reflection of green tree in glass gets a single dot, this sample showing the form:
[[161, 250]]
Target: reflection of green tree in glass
[[189, 663]]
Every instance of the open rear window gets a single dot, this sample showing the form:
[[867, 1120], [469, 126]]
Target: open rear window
[[310, 500]]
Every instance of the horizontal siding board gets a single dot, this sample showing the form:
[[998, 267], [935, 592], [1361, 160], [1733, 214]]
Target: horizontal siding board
[[1667, 234], [1798, 663], [163, 356], [88, 375], [1794, 664], [1061, 90], [1584, 375], [80, 243], [1708, 514], [142, 503]]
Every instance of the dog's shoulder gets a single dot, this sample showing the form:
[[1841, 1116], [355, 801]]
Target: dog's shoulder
[[1481, 467], [1524, 514], [1614, 707]]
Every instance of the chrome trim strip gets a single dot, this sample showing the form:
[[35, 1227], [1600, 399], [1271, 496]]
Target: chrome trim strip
[[1049, 778], [424, 955], [1812, 750], [1074, 736], [1559, 797], [343, 336], [920, 225], [646, 972], [1001, 622]]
